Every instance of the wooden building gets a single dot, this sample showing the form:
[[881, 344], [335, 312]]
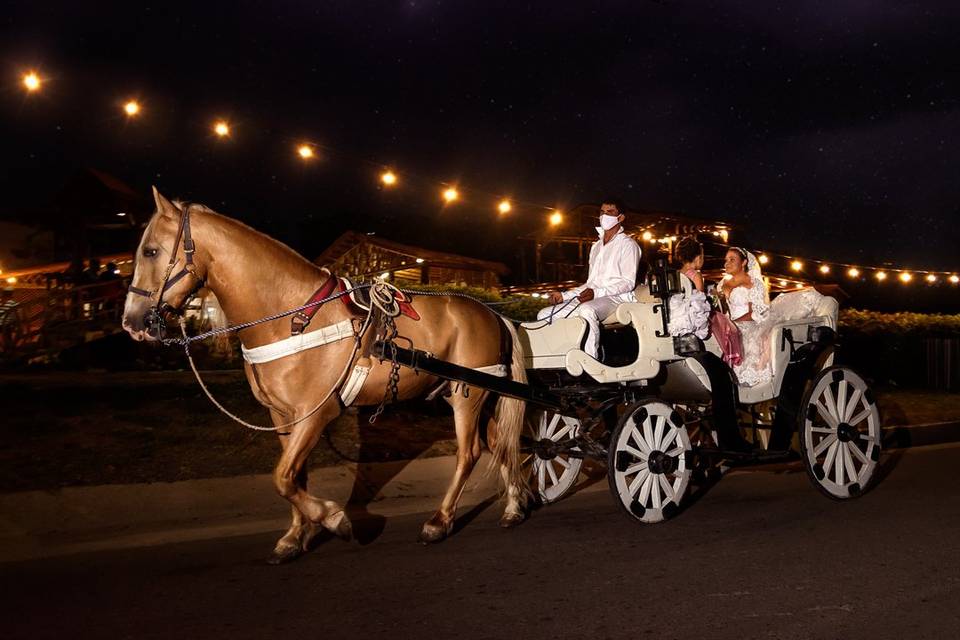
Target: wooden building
[[363, 257]]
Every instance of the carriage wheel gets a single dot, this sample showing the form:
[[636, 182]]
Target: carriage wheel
[[840, 433], [554, 471], [649, 461]]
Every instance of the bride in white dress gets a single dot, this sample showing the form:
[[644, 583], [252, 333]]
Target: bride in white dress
[[749, 304], [748, 299]]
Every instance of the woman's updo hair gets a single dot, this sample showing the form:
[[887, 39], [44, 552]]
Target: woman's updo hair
[[687, 249]]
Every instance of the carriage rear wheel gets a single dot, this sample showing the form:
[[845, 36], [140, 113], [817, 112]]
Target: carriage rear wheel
[[555, 463], [649, 462], [840, 433]]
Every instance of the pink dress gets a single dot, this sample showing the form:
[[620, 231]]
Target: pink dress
[[726, 332]]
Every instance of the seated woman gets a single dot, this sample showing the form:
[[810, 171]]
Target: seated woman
[[690, 313], [749, 303]]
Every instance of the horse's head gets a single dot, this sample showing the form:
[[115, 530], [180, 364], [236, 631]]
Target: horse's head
[[164, 276]]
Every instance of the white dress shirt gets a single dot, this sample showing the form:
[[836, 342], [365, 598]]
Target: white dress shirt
[[613, 269]]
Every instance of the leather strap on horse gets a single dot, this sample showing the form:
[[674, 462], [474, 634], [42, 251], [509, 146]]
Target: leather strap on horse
[[300, 320]]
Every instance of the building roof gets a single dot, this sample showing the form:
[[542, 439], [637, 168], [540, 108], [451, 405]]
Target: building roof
[[351, 239]]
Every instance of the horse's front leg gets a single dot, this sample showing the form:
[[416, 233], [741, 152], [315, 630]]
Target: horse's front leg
[[310, 513], [466, 414]]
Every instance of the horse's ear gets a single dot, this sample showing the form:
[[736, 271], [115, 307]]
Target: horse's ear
[[164, 206]]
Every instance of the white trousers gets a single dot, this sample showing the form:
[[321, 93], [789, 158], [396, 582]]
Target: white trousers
[[594, 312]]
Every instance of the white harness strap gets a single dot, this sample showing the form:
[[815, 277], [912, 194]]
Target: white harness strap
[[354, 384], [295, 344]]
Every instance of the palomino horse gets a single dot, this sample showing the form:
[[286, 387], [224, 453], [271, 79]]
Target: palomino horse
[[254, 276]]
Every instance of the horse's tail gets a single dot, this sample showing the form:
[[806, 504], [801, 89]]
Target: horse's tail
[[509, 416]]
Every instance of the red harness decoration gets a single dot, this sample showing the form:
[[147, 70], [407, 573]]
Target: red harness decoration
[[300, 320]]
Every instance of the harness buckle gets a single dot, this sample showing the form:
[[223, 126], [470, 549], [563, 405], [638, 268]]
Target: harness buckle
[[298, 322]]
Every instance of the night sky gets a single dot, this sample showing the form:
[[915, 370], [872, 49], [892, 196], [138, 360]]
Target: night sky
[[828, 129]]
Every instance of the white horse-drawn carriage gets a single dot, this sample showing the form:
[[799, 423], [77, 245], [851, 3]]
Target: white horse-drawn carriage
[[661, 409]]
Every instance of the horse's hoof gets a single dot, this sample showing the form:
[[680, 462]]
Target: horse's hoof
[[511, 520], [339, 525], [285, 554], [431, 533]]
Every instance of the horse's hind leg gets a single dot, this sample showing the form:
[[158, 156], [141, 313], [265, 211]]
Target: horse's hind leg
[[310, 513], [466, 414]]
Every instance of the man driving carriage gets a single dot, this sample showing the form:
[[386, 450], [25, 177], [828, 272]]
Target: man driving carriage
[[612, 277]]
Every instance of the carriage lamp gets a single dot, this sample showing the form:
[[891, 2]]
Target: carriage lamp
[[31, 81], [954, 279], [763, 259], [824, 269], [796, 265], [931, 278], [504, 206], [389, 178], [905, 277], [131, 108], [450, 194], [853, 272], [221, 128], [881, 276], [556, 218]]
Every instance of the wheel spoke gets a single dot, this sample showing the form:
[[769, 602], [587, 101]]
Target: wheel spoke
[[648, 433], [668, 437], [822, 430], [658, 432], [841, 400], [852, 405], [559, 434], [860, 417], [638, 438], [857, 452], [655, 494], [541, 474], [563, 463], [673, 453], [634, 468], [552, 426], [668, 491], [636, 453], [831, 454], [645, 489], [635, 484], [831, 403], [827, 414], [552, 472], [848, 462], [823, 444], [838, 464]]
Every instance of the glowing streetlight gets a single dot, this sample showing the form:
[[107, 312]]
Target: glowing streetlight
[[131, 108], [905, 277], [763, 259], [419, 261], [504, 206], [783, 283], [881, 275], [388, 178], [305, 151], [931, 278], [12, 280], [556, 218], [799, 285], [647, 236], [450, 194], [824, 269], [796, 265], [31, 81], [853, 272], [221, 128], [954, 279]]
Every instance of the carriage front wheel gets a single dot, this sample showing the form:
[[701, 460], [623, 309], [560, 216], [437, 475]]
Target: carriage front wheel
[[840, 433], [649, 461], [552, 454]]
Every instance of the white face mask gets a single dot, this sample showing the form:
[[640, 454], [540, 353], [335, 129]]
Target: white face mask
[[608, 222]]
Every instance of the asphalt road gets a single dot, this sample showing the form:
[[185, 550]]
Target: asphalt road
[[761, 555]]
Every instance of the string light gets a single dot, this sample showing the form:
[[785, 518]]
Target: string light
[[853, 272], [556, 218], [131, 108], [783, 283], [450, 194], [504, 206], [388, 178], [954, 279], [796, 265], [306, 152], [31, 81], [824, 269], [931, 278], [647, 236], [763, 259], [905, 277], [221, 128], [881, 275], [419, 260]]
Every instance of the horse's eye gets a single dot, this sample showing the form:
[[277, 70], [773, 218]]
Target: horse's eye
[[149, 252]]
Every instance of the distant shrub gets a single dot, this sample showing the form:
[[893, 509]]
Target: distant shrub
[[902, 324]]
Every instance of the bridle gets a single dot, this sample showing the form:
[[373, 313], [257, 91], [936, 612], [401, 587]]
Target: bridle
[[153, 319]]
